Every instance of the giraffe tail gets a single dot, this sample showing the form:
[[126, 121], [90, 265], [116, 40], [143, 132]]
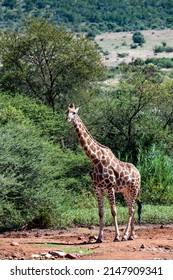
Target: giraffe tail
[[139, 203]]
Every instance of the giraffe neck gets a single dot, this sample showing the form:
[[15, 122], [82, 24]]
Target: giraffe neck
[[92, 148]]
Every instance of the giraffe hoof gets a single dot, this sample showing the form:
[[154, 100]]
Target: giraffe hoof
[[98, 240], [116, 239], [131, 237], [124, 238]]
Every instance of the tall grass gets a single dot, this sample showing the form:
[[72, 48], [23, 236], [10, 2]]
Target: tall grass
[[150, 214], [156, 168]]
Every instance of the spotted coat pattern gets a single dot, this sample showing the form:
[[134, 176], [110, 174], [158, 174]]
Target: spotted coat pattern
[[110, 175]]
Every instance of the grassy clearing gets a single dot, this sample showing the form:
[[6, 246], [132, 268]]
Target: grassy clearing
[[113, 44], [150, 214]]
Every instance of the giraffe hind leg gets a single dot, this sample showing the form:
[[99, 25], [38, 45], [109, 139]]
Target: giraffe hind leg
[[129, 232]]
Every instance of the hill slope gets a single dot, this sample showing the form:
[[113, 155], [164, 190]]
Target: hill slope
[[91, 16]]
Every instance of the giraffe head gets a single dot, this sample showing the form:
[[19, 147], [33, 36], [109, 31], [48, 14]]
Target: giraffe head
[[71, 112]]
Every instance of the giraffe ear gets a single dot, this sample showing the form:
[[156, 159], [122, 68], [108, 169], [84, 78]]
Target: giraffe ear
[[76, 110], [71, 105]]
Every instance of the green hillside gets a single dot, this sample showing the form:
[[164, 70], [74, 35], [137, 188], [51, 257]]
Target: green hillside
[[91, 16]]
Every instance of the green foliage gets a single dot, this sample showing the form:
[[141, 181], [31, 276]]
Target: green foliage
[[21, 109], [38, 180], [162, 62], [162, 48], [154, 214], [138, 38], [150, 214], [125, 117], [23, 163], [133, 46], [43, 184], [111, 72], [91, 16], [156, 169], [48, 63]]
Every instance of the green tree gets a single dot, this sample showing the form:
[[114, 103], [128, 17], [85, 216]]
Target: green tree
[[128, 116], [49, 63]]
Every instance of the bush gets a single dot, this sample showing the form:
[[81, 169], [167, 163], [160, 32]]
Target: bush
[[159, 49], [162, 62], [51, 125], [133, 46], [138, 38], [163, 48], [38, 180]]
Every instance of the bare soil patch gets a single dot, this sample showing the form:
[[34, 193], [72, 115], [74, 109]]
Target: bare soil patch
[[152, 242]]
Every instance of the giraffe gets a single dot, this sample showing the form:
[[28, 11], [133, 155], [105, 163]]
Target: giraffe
[[110, 175]]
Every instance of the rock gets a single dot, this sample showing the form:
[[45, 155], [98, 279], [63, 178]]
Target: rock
[[14, 244], [46, 255], [142, 246], [91, 227], [161, 226], [71, 256], [80, 238], [35, 256], [134, 248], [92, 237], [59, 254], [14, 255]]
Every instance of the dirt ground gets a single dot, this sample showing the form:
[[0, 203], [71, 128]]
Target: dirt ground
[[152, 242]]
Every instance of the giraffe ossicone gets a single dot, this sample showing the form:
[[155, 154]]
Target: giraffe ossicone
[[110, 175]]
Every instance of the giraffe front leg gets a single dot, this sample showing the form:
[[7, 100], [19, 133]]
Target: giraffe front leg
[[99, 197], [111, 197]]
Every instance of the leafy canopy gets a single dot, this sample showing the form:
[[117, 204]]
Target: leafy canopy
[[48, 63]]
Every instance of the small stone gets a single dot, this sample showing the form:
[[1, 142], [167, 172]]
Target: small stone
[[71, 256], [161, 226], [142, 246], [92, 237], [14, 244], [59, 254], [91, 227], [46, 255], [134, 248], [35, 256], [80, 238], [15, 255]]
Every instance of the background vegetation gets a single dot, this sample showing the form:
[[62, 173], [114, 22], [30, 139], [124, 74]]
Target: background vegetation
[[91, 16], [44, 174]]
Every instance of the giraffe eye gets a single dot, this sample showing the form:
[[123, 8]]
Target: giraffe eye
[[74, 113]]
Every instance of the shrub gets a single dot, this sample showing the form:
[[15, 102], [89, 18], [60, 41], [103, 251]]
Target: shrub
[[122, 55], [138, 38], [162, 48], [133, 46], [38, 180]]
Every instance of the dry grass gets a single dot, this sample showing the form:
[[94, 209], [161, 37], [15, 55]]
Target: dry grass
[[120, 42]]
